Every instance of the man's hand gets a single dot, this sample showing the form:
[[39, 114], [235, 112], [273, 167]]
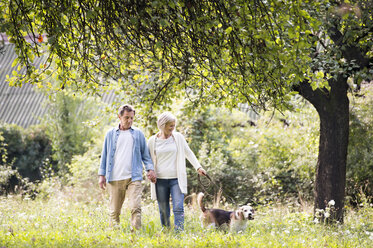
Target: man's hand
[[152, 176], [201, 171], [102, 182]]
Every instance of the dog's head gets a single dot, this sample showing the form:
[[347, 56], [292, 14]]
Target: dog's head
[[247, 212]]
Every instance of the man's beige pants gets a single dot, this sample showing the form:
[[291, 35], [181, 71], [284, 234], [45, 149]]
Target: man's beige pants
[[118, 191]]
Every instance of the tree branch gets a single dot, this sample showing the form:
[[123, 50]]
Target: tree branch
[[350, 52]]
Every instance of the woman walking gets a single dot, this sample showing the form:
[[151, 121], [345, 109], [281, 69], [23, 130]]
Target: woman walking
[[168, 150]]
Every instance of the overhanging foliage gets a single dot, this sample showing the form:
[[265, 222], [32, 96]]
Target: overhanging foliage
[[236, 51]]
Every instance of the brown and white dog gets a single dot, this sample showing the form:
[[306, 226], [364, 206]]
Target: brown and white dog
[[219, 218]]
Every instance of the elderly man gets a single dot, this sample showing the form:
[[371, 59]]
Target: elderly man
[[123, 155]]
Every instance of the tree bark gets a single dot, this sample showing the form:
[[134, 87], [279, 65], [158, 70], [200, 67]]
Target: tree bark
[[333, 109]]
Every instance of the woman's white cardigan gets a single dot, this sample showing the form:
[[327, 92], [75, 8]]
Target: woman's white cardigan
[[183, 151]]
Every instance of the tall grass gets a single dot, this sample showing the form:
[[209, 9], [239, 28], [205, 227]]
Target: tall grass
[[65, 220]]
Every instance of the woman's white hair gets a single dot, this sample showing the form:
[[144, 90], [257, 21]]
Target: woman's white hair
[[165, 118]]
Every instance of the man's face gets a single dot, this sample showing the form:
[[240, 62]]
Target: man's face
[[126, 120]]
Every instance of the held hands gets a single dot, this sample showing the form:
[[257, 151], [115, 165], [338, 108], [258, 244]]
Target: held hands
[[201, 171], [152, 176]]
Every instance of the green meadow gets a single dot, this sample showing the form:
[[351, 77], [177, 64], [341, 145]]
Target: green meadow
[[70, 219], [272, 166]]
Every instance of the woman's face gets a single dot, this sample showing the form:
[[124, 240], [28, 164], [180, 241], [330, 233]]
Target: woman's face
[[169, 127]]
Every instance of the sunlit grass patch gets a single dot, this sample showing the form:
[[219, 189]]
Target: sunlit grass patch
[[65, 222]]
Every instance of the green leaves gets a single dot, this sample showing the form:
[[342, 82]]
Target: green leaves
[[228, 30], [262, 48], [319, 80]]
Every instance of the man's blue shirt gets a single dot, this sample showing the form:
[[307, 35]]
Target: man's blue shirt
[[140, 154]]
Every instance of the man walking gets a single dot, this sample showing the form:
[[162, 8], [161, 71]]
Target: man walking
[[123, 155]]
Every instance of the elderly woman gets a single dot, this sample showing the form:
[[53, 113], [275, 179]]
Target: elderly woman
[[168, 150]]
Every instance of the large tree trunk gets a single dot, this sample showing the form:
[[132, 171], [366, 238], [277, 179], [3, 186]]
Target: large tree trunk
[[333, 110]]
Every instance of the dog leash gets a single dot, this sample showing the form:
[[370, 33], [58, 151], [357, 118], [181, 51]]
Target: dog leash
[[205, 186]]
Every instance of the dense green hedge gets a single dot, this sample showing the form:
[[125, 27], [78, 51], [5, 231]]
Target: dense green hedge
[[27, 149], [275, 159], [256, 161], [25, 154], [46, 150]]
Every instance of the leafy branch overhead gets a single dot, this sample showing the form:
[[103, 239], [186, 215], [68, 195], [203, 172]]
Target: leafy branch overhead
[[236, 51]]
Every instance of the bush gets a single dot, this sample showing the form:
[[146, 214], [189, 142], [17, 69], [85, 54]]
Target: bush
[[27, 150], [81, 183], [84, 167], [70, 123], [11, 181], [271, 159], [360, 156], [44, 151], [9, 178], [274, 158]]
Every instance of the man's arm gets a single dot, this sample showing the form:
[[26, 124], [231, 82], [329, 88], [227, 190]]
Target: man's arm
[[145, 154]]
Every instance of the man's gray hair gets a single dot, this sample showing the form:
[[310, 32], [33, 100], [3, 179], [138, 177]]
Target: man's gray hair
[[127, 108], [165, 118]]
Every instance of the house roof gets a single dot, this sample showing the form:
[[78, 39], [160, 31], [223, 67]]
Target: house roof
[[18, 105], [23, 105]]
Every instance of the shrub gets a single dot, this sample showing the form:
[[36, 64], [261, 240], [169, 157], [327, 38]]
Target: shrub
[[10, 179], [72, 122], [84, 167], [271, 159], [27, 149], [360, 157]]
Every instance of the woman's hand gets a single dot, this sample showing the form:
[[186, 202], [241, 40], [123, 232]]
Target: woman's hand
[[201, 171]]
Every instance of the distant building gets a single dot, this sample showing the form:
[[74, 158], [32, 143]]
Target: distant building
[[22, 105], [18, 105]]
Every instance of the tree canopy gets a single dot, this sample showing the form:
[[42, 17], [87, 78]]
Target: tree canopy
[[235, 51]]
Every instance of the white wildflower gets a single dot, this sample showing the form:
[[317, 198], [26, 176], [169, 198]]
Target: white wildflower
[[331, 203]]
